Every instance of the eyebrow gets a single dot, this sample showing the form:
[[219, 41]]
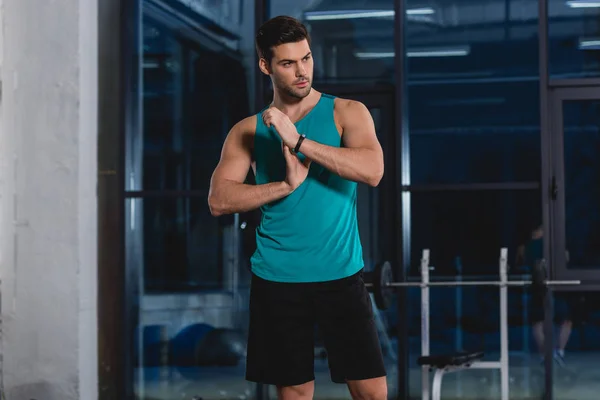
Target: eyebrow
[[291, 61]]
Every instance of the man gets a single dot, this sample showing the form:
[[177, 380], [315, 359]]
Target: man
[[531, 253], [308, 151]]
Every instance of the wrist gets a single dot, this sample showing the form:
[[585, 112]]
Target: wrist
[[298, 144], [287, 187], [291, 143]]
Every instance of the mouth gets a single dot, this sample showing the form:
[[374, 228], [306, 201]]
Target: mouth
[[302, 84]]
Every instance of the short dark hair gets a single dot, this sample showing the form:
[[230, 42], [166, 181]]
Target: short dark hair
[[276, 31]]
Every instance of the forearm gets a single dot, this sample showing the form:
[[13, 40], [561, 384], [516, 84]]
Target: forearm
[[229, 197], [356, 164]]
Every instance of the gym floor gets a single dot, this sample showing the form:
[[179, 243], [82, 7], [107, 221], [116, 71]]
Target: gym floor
[[580, 380]]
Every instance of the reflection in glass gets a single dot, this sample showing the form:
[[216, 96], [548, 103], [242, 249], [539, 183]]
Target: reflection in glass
[[188, 267], [472, 76], [192, 95], [573, 38], [577, 375], [349, 45], [581, 127], [468, 319], [466, 229], [185, 248], [193, 313]]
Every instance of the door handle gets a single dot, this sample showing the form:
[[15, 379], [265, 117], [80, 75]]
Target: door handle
[[554, 188]]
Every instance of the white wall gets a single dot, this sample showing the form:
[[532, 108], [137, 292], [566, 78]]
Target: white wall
[[48, 144]]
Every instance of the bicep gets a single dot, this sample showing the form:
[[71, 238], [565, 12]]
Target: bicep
[[358, 128], [236, 156]]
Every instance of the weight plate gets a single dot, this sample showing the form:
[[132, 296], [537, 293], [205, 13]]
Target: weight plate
[[383, 293]]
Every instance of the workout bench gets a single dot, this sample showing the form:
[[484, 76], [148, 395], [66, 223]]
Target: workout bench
[[383, 288], [443, 364]]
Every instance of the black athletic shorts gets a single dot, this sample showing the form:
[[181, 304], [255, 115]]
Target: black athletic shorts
[[281, 338], [564, 307]]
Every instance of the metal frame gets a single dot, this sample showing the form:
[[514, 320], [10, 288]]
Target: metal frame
[[472, 186], [261, 9], [546, 177], [557, 97], [554, 83], [502, 364], [401, 163], [553, 222], [116, 301]]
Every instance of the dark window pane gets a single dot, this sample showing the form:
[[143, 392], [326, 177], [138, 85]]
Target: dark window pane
[[187, 269], [574, 38], [581, 133], [466, 229], [183, 245], [473, 93], [350, 43], [468, 319], [473, 133], [192, 96], [583, 310]]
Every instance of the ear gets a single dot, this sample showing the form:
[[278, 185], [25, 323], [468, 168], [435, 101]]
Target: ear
[[264, 66]]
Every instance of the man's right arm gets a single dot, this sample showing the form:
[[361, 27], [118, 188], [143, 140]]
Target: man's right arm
[[228, 193]]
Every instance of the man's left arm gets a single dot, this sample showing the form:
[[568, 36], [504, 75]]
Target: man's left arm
[[361, 157]]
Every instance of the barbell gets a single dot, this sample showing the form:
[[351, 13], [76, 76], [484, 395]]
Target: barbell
[[381, 283]]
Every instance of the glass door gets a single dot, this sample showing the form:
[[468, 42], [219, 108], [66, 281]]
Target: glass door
[[575, 242], [188, 274], [575, 185]]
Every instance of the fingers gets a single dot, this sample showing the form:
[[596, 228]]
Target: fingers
[[273, 116], [287, 152], [268, 117], [266, 120]]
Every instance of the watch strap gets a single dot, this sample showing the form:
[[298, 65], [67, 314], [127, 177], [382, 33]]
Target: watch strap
[[300, 140]]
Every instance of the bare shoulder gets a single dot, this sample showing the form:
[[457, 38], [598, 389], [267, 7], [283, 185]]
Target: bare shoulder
[[343, 104], [245, 127], [356, 124], [348, 110], [236, 154], [242, 133]]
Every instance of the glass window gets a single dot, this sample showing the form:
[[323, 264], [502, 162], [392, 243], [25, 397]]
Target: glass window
[[581, 137], [194, 92], [350, 44], [184, 245], [197, 65], [574, 38], [468, 319], [577, 317], [473, 92], [464, 230]]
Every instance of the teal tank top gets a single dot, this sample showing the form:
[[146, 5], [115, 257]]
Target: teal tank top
[[312, 234]]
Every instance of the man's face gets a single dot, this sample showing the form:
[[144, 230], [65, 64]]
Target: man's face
[[292, 69]]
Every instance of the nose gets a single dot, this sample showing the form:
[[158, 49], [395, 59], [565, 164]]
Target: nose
[[300, 71]]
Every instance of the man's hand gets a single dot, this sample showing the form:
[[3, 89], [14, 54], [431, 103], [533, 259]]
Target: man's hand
[[360, 159], [297, 171], [283, 125]]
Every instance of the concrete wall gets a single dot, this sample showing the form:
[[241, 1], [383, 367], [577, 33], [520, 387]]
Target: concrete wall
[[48, 144]]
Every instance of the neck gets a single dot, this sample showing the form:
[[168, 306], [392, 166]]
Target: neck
[[289, 104]]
